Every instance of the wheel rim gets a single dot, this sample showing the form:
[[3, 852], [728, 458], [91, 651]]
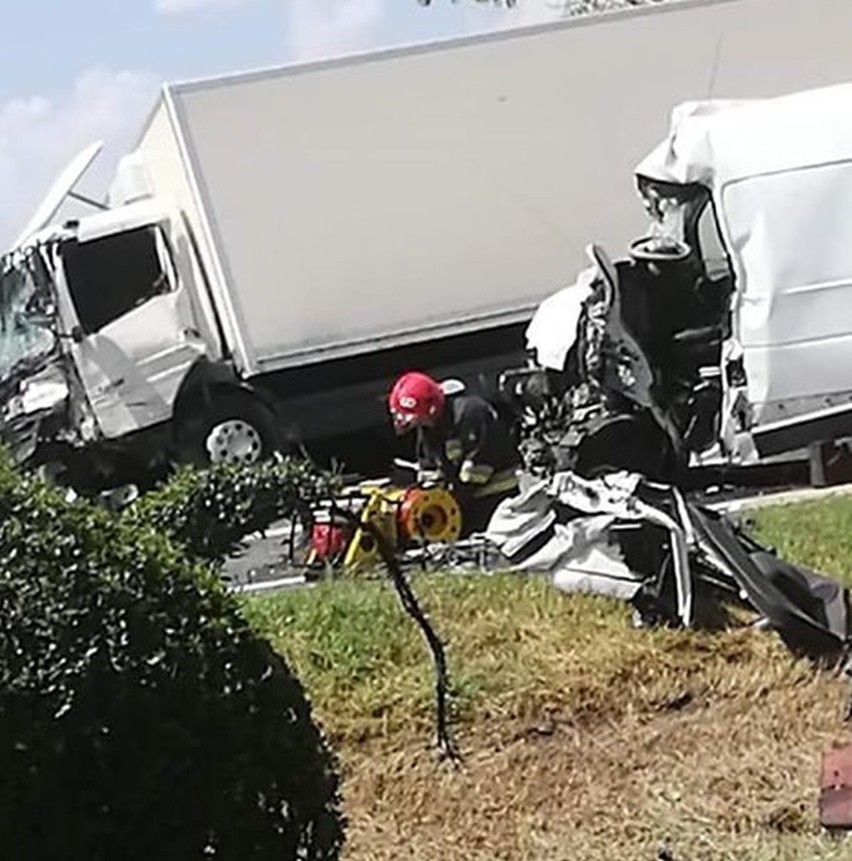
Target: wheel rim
[[234, 441]]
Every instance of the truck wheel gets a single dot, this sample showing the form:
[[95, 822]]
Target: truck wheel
[[236, 428]]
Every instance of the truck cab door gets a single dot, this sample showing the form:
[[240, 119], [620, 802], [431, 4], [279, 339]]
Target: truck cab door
[[134, 336]]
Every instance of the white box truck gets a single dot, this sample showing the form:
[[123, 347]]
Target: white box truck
[[281, 244]]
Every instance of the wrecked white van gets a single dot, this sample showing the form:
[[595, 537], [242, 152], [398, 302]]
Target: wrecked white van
[[726, 334]]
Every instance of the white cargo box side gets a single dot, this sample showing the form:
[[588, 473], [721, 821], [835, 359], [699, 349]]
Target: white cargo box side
[[360, 203]]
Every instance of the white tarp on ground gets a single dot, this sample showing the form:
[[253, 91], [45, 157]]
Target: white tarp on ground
[[581, 554]]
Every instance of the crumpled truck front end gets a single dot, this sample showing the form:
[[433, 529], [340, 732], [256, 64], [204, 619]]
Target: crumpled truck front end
[[35, 385], [637, 355]]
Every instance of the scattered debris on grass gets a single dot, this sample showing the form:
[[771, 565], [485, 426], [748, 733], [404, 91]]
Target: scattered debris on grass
[[677, 563]]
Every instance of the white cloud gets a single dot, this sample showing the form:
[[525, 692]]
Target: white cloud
[[38, 136], [322, 28], [179, 7]]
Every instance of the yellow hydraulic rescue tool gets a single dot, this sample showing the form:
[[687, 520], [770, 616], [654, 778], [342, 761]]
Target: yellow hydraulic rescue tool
[[404, 517]]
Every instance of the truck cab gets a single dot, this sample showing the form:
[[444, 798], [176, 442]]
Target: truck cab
[[101, 320], [724, 336]]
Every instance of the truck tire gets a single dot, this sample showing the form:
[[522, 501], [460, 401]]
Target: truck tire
[[236, 427]]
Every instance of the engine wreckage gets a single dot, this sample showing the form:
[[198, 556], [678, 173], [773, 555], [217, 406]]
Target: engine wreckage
[[618, 401]]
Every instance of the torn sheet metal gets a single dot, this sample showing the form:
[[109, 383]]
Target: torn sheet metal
[[808, 610], [42, 395], [675, 562]]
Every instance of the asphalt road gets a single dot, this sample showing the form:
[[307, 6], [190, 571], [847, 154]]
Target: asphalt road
[[264, 564]]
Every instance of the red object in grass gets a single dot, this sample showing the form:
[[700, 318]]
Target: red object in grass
[[835, 799]]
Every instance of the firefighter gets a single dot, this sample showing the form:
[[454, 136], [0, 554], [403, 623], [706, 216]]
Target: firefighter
[[462, 437]]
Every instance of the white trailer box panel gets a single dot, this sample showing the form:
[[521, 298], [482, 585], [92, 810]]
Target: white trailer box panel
[[361, 203]]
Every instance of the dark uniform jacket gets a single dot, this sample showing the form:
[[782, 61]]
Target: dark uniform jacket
[[472, 448]]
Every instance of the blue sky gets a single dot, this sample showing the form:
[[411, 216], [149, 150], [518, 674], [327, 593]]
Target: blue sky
[[73, 72]]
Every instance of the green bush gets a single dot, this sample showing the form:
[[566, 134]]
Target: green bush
[[140, 715], [210, 512]]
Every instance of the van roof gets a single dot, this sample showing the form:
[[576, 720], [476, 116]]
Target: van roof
[[717, 142]]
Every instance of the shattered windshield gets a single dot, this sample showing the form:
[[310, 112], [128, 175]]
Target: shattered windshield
[[24, 336]]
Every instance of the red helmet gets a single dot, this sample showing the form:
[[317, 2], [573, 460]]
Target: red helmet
[[415, 399]]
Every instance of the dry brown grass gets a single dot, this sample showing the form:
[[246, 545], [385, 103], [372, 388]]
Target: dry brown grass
[[730, 774], [583, 738]]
